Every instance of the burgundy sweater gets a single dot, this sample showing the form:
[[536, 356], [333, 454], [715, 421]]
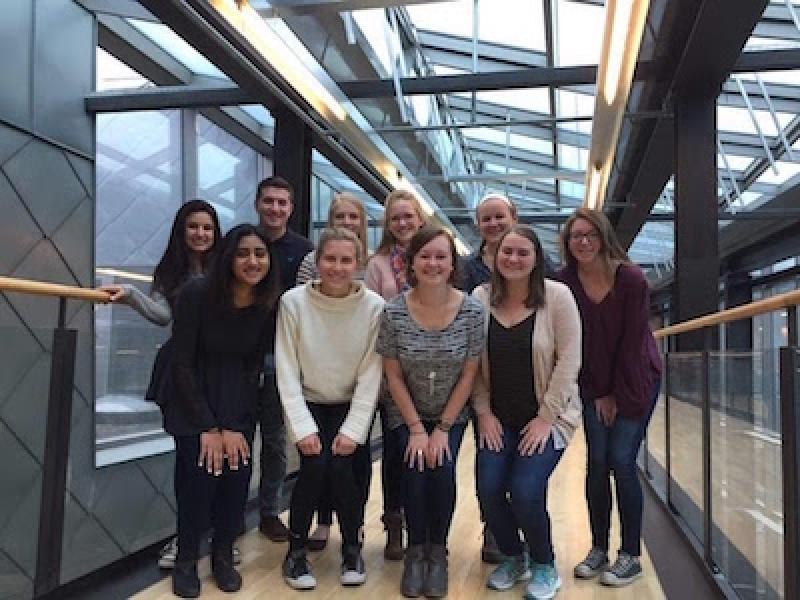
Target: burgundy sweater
[[620, 356]]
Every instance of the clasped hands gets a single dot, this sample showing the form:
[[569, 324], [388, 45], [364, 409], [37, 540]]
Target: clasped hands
[[216, 446], [312, 446]]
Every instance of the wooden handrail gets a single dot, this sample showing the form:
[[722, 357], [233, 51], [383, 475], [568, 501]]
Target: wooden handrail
[[745, 311], [43, 288]]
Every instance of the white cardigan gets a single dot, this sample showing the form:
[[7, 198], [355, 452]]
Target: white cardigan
[[556, 359]]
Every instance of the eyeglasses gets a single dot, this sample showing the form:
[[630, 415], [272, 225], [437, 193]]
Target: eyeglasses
[[592, 236]]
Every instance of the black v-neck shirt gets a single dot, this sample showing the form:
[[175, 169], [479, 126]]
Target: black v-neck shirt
[[513, 398]]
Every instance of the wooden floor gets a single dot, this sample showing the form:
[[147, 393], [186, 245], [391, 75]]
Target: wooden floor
[[261, 567]]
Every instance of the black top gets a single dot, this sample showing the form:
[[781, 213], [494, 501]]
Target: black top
[[217, 357], [514, 400], [290, 249]]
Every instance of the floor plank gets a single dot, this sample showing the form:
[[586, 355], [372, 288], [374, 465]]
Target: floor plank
[[262, 559]]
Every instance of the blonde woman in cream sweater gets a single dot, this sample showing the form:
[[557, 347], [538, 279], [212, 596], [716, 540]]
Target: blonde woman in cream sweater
[[328, 378], [528, 406]]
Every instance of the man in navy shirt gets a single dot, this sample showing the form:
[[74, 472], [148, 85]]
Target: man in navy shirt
[[274, 205]]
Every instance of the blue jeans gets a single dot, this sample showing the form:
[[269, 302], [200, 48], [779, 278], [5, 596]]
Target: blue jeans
[[513, 492], [614, 449], [430, 495]]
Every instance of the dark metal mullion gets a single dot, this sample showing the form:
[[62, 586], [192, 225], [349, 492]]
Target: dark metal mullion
[[790, 457], [708, 341], [189, 167], [549, 41]]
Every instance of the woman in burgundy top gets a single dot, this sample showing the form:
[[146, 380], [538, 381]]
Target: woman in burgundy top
[[619, 383]]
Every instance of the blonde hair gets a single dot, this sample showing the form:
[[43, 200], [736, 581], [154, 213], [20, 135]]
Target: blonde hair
[[335, 234], [395, 196], [610, 253], [350, 198], [512, 208]]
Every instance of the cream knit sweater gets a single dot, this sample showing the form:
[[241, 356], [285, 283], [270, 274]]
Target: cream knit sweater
[[325, 354]]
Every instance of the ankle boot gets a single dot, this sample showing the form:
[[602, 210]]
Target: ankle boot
[[393, 524], [185, 582], [225, 575], [436, 581], [414, 572]]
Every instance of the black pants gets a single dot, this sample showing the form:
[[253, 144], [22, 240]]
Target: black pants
[[205, 501], [391, 466], [362, 470], [348, 500], [273, 449]]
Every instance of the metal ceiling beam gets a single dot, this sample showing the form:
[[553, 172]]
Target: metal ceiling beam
[[767, 217], [443, 48], [294, 8], [178, 96]]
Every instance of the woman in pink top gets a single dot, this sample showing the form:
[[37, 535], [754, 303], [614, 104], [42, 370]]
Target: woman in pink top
[[386, 275]]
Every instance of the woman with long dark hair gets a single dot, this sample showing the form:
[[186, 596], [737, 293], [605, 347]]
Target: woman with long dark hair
[[431, 339], [221, 333], [619, 383], [528, 407], [193, 239]]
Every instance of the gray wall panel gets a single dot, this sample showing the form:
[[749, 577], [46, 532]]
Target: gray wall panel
[[18, 232], [63, 61], [15, 63]]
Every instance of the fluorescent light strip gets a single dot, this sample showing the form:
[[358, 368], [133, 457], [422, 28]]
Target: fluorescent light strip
[[124, 274], [616, 49]]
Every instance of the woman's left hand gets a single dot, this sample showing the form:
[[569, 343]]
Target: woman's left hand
[[438, 448], [534, 436], [343, 445]]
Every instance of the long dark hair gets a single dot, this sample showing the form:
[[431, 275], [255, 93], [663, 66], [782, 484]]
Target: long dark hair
[[535, 298], [220, 278], [172, 270]]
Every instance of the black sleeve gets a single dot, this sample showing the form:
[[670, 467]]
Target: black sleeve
[[186, 357]]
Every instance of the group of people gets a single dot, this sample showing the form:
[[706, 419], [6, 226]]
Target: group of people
[[267, 329]]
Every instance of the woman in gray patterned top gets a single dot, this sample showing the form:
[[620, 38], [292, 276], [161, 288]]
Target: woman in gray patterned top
[[431, 339]]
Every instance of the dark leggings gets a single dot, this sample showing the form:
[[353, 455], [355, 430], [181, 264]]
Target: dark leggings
[[391, 465], [205, 501], [311, 480]]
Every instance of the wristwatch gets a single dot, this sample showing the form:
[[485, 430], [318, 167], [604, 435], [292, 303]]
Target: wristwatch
[[443, 425]]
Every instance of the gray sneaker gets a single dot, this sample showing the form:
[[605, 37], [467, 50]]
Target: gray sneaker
[[168, 554], [544, 584], [595, 563], [624, 570], [511, 570]]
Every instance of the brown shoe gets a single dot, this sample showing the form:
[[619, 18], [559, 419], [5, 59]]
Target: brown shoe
[[393, 524], [274, 529]]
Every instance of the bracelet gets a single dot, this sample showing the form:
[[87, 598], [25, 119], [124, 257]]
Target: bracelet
[[410, 425], [419, 433], [443, 425]]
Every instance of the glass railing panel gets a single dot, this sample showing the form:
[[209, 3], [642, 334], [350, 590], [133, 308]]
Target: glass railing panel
[[656, 446], [686, 438], [746, 474]]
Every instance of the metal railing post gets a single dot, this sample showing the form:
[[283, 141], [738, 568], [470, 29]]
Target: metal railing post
[[706, 408], [790, 457], [667, 441], [56, 456]]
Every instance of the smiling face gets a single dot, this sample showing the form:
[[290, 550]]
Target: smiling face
[[347, 215], [199, 233], [251, 261], [494, 219], [516, 257], [433, 264], [337, 262], [274, 207], [584, 242], [403, 221]]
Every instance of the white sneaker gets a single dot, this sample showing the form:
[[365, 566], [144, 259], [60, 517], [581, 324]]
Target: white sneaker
[[353, 569], [168, 554]]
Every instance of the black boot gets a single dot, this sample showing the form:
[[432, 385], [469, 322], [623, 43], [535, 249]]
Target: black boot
[[225, 576], [185, 582], [393, 524], [436, 581], [414, 572]]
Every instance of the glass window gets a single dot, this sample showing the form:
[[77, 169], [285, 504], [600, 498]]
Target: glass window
[[138, 175]]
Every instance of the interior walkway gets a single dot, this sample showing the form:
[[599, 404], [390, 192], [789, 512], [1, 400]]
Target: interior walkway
[[261, 567]]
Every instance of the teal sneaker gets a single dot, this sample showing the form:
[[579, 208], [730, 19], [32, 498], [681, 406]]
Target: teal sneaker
[[544, 584], [510, 570]]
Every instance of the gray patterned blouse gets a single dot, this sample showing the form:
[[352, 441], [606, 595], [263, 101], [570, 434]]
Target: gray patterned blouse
[[431, 360]]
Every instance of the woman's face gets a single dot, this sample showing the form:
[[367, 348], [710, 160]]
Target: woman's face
[[516, 257], [494, 219], [251, 261], [584, 241], [347, 215], [403, 221], [199, 232], [337, 263], [433, 264]]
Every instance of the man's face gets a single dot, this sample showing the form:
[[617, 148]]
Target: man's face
[[274, 207]]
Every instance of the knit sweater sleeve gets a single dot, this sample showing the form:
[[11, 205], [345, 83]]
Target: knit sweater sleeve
[[154, 307], [289, 374], [368, 382], [308, 269], [562, 385]]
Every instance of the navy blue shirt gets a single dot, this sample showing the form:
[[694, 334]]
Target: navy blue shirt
[[289, 250]]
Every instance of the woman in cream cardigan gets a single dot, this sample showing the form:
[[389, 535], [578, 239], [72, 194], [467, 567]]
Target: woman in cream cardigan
[[528, 406]]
